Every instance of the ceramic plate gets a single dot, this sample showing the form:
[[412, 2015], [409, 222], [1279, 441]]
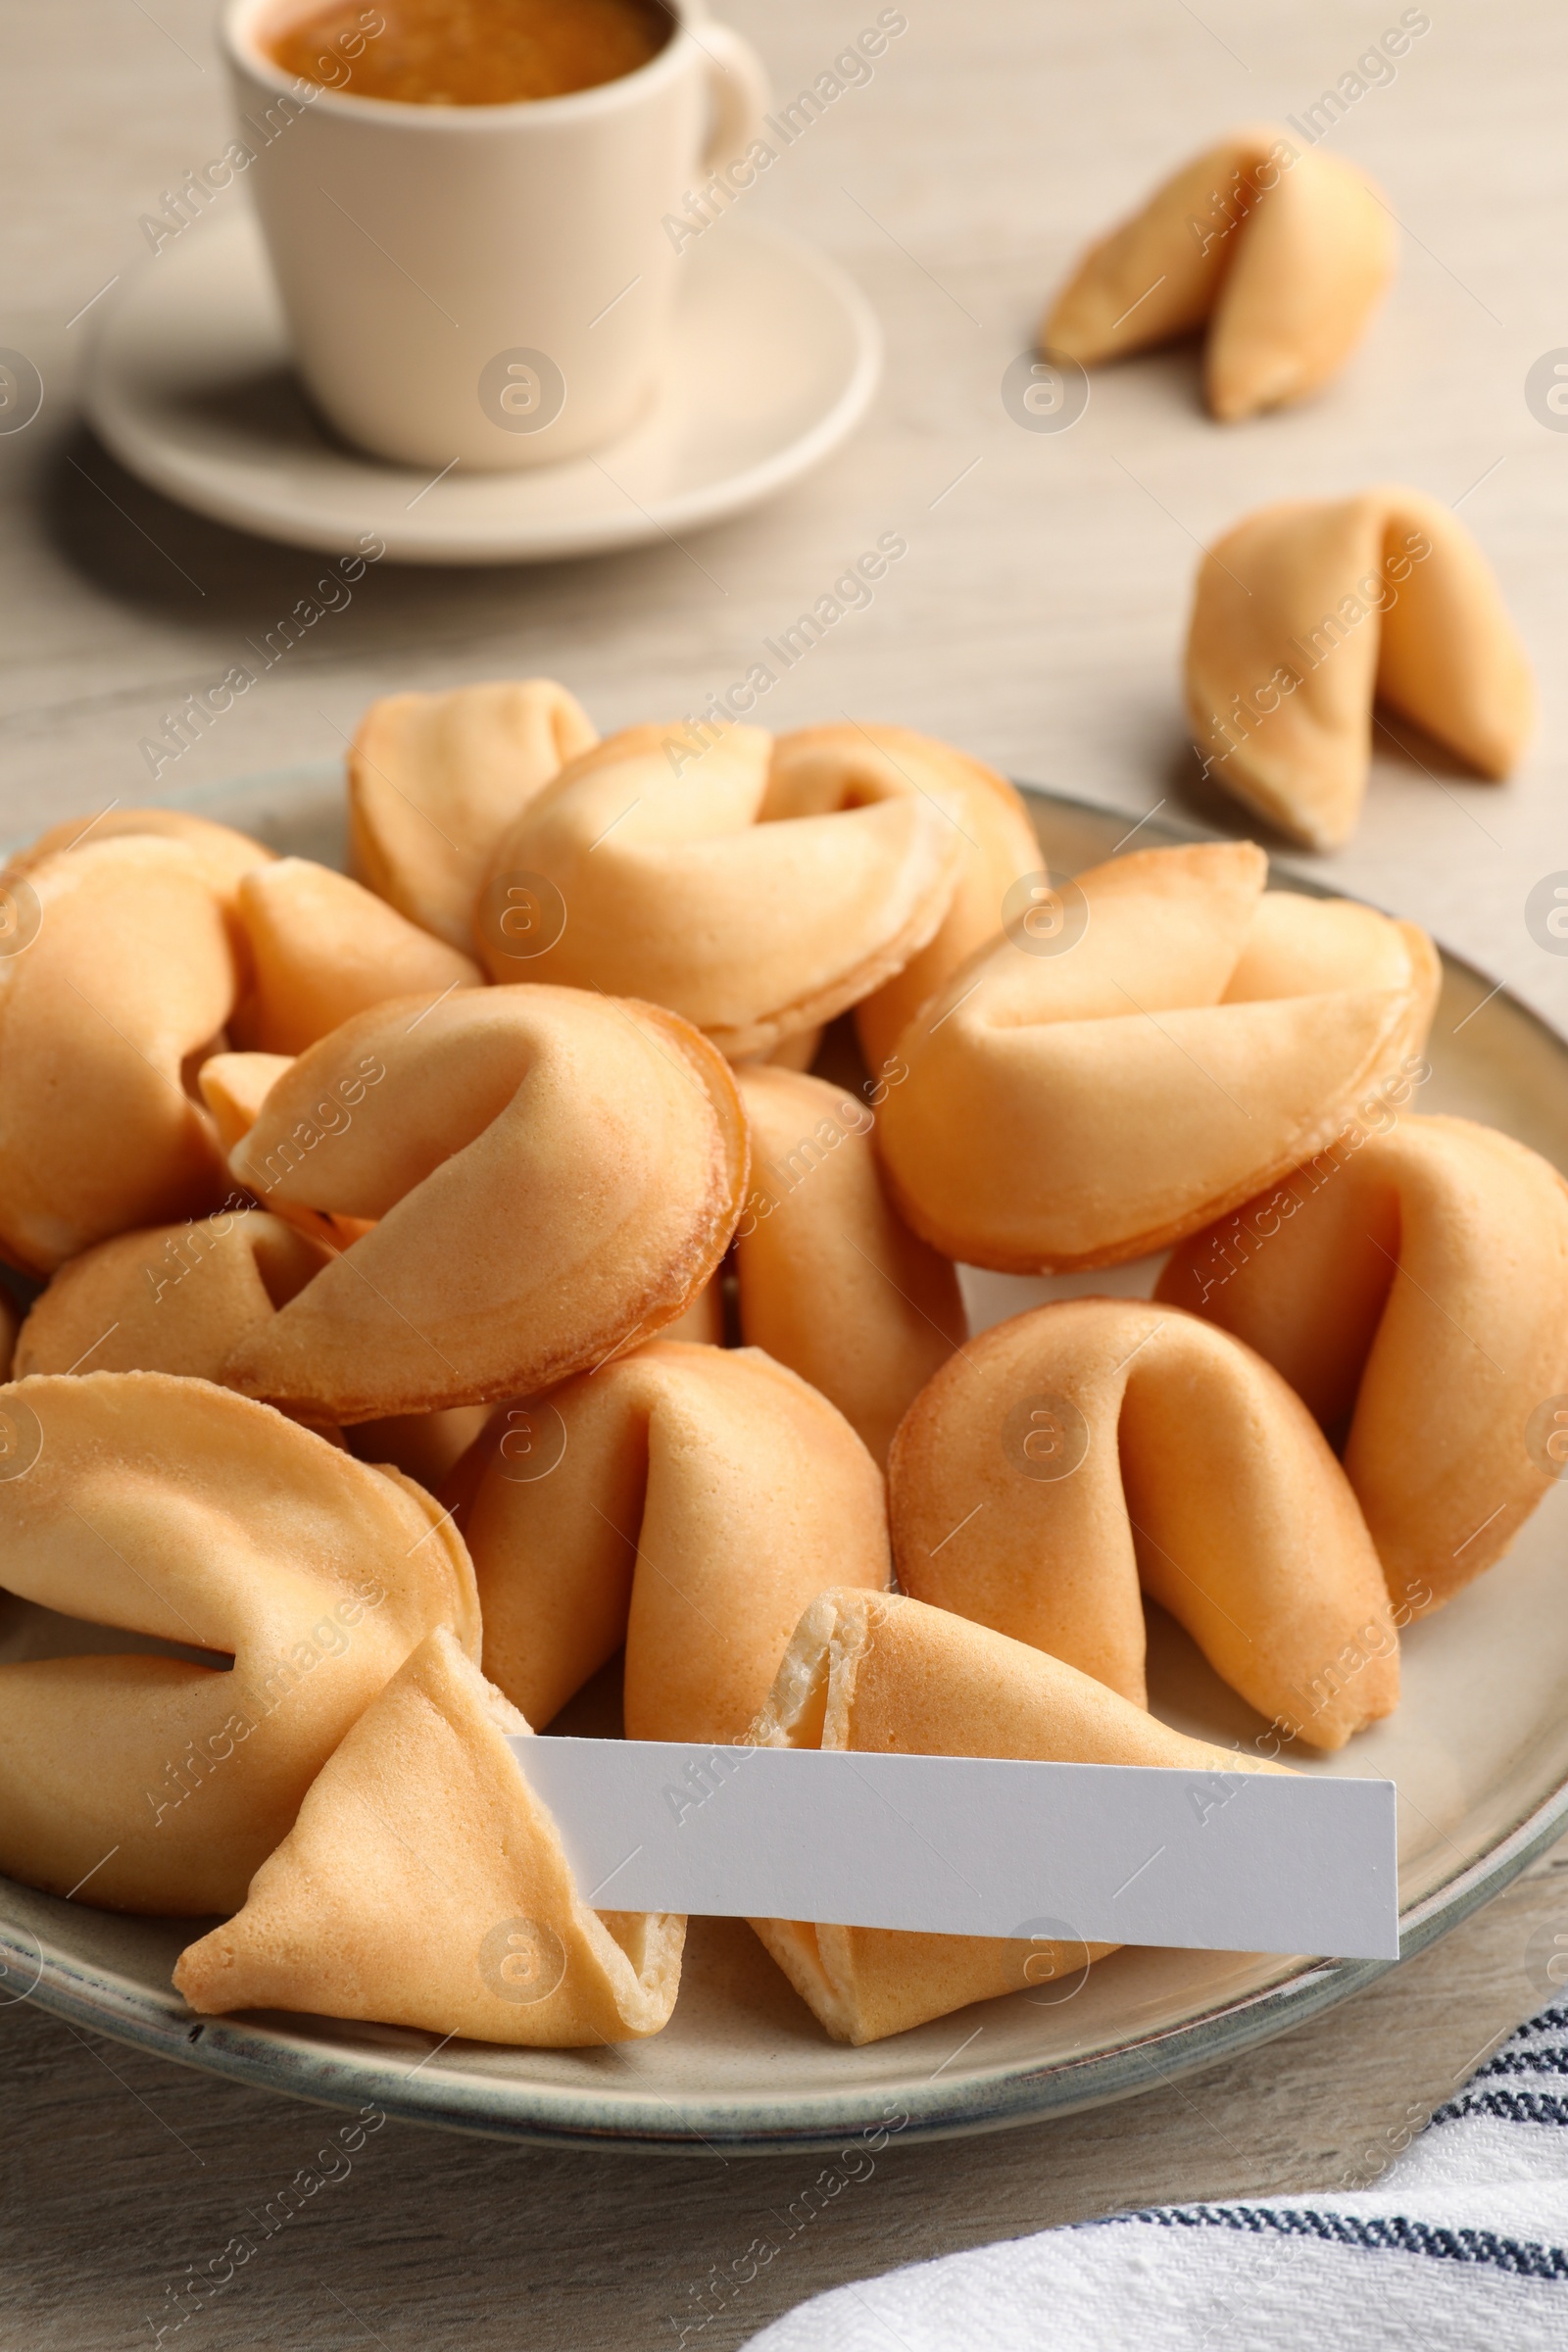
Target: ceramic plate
[[1478, 1750], [774, 360]]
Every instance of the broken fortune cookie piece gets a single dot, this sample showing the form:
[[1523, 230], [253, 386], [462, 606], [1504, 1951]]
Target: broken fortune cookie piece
[[425, 1884], [878, 1672]]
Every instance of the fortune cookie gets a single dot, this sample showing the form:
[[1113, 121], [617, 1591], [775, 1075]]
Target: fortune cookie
[[1307, 612], [169, 1508], [1412, 1287], [824, 768], [425, 1884], [177, 1298], [1175, 1044], [1284, 253], [121, 972], [322, 948], [234, 1086], [183, 1298], [830, 1280], [737, 892], [687, 1500], [1085, 1448], [434, 780], [881, 1673], [224, 856], [554, 1173]]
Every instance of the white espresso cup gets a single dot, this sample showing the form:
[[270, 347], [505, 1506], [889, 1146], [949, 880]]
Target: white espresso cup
[[490, 285]]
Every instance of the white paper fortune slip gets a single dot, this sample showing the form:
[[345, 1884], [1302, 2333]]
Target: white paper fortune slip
[[968, 1845]]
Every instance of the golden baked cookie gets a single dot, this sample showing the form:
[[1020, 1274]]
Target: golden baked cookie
[[183, 1298], [425, 1884], [173, 1298], [130, 973], [1412, 1287], [687, 1500], [323, 949], [719, 884], [1283, 252], [170, 1508], [877, 1672], [1307, 611], [830, 1280], [1087, 1449], [224, 856], [436, 778], [234, 1086], [818, 769], [1081, 1099], [554, 1173]]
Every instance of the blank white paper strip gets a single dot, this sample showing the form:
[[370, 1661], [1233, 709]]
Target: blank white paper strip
[[966, 1845]]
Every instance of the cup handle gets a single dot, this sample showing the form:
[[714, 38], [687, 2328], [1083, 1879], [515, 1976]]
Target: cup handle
[[741, 91]]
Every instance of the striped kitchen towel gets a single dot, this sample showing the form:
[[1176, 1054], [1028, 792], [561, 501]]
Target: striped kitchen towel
[[1461, 2246]]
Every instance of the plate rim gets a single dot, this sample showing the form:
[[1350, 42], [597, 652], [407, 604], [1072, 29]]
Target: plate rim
[[273, 2058], [118, 424]]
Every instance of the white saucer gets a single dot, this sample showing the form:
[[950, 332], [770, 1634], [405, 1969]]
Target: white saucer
[[776, 357]]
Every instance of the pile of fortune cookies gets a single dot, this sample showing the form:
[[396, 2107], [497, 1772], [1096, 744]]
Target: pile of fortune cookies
[[450, 1282]]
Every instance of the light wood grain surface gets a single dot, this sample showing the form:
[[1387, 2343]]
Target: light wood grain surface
[[1037, 620]]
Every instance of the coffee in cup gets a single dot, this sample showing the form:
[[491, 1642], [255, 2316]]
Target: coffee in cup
[[477, 52], [475, 279]]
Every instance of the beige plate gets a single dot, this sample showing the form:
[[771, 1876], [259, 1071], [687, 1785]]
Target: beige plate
[[1479, 1749]]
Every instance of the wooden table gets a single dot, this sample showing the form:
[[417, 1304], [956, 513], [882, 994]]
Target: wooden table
[[1037, 620]]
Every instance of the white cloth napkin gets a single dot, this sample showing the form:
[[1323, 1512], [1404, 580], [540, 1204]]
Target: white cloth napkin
[[1461, 2246]]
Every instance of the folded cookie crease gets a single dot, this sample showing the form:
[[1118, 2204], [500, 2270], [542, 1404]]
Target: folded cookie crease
[[174, 1299], [742, 892], [1412, 1287], [686, 1500], [1307, 613], [1283, 252], [1086, 1453], [168, 1508], [1191, 1039], [848, 765], [887, 1674], [546, 1175], [425, 1884]]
